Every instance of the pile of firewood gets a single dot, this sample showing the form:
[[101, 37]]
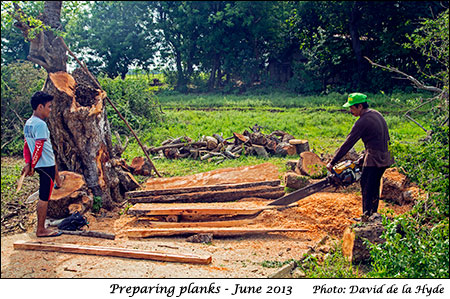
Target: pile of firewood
[[216, 148]]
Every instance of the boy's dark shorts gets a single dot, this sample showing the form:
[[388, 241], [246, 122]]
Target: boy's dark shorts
[[46, 182]]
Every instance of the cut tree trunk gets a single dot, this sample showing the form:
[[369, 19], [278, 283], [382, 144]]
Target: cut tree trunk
[[353, 246], [310, 164], [300, 145], [80, 133], [295, 181], [141, 166], [71, 197], [79, 128]]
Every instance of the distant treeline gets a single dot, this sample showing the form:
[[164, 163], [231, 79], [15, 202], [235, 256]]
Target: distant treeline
[[303, 46]]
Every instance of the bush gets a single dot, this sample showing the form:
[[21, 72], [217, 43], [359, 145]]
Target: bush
[[135, 100], [417, 244], [19, 81]]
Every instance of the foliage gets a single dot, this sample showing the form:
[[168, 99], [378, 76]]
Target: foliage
[[113, 36], [19, 81], [335, 265], [135, 101], [420, 240]]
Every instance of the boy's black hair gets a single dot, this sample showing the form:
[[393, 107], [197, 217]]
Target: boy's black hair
[[40, 97]]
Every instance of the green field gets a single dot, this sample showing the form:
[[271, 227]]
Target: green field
[[319, 119]]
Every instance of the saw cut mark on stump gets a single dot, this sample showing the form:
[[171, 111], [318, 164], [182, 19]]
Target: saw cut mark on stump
[[310, 164], [116, 252], [72, 196], [227, 231]]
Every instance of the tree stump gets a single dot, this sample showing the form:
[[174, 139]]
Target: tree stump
[[394, 185], [294, 181], [285, 149], [141, 166], [300, 145], [353, 246], [127, 181], [72, 196], [311, 165]]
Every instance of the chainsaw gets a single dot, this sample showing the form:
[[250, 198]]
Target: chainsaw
[[343, 174]]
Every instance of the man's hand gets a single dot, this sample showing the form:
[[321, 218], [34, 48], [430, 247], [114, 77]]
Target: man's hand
[[329, 167], [27, 170]]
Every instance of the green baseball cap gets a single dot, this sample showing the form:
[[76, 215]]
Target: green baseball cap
[[355, 98]]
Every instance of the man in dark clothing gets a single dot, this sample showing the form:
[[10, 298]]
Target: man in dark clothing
[[372, 129]]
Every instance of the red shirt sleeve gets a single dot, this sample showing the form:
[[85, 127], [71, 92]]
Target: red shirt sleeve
[[37, 152]]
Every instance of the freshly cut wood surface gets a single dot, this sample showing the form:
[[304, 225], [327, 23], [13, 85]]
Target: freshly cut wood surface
[[243, 174], [310, 164], [154, 192], [111, 251], [72, 196], [267, 192], [196, 209], [223, 223], [227, 231]]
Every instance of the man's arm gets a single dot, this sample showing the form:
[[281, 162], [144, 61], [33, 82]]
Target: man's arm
[[354, 135]]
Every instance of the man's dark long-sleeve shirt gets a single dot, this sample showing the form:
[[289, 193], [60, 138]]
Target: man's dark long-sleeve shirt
[[372, 129]]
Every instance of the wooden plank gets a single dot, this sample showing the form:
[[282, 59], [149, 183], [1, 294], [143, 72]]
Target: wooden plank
[[227, 231], [116, 252], [93, 234], [213, 196], [186, 210], [223, 223], [156, 192]]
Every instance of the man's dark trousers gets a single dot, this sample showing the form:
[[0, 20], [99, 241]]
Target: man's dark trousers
[[370, 187]]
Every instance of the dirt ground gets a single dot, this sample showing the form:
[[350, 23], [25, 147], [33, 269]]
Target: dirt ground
[[322, 214]]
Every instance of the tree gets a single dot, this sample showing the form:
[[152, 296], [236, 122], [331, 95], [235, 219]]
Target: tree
[[78, 123], [114, 36]]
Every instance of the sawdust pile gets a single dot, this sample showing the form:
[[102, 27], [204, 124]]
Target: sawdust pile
[[320, 212]]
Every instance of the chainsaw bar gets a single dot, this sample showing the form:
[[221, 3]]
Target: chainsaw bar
[[301, 193]]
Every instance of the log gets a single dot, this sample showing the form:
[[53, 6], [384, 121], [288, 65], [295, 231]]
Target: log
[[285, 149], [300, 145], [127, 181], [177, 145], [239, 138], [223, 223], [210, 188], [227, 231], [92, 234], [140, 166], [193, 210], [394, 185], [258, 138], [111, 251], [216, 196], [295, 181], [353, 247], [291, 164], [73, 192], [260, 151], [311, 165]]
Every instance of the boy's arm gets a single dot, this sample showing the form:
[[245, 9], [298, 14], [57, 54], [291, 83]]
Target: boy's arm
[[38, 147], [27, 156]]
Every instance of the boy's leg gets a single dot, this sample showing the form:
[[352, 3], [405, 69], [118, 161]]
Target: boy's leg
[[46, 182]]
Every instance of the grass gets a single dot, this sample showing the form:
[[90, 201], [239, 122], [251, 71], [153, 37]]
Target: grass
[[319, 119]]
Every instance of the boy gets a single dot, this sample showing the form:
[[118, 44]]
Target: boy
[[37, 141]]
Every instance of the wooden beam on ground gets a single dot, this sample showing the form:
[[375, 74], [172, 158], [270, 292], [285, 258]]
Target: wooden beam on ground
[[157, 192], [93, 234], [266, 192], [193, 210], [223, 223], [227, 231], [110, 251]]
